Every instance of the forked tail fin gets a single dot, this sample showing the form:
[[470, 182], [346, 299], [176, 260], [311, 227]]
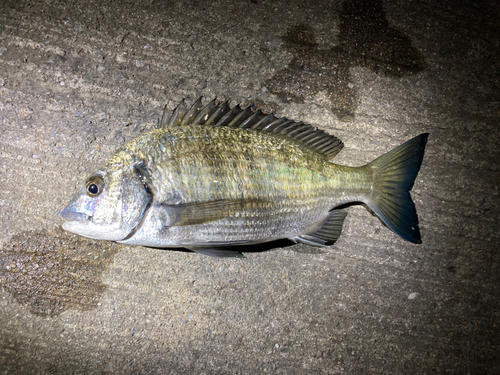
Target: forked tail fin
[[394, 175]]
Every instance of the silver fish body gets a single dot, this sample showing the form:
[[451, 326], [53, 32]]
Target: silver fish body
[[213, 177]]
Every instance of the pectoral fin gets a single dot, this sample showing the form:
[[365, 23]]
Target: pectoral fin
[[196, 213]]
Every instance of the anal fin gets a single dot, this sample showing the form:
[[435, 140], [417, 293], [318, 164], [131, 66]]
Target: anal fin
[[326, 232]]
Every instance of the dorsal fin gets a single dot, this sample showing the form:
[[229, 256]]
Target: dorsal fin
[[206, 113], [217, 114], [162, 123], [192, 113], [177, 115]]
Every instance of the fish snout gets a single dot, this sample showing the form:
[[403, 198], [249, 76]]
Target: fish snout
[[68, 214]]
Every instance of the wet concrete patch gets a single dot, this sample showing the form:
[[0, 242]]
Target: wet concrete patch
[[49, 272], [365, 39]]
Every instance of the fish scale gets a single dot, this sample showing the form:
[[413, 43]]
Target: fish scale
[[194, 159]]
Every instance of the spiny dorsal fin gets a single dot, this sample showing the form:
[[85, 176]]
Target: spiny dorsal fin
[[162, 123], [177, 115], [217, 114], [206, 113], [192, 113]]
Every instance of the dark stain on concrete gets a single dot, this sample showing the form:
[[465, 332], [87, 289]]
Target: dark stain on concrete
[[365, 39], [49, 272]]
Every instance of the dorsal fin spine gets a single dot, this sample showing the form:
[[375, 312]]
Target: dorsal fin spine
[[228, 117], [261, 125], [279, 128], [192, 112], [206, 113], [178, 114], [273, 125], [283, 128], [242, 116], [252, 120], [219, 113]]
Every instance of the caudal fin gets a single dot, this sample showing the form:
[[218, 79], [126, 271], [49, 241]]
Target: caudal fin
[[394, 175]]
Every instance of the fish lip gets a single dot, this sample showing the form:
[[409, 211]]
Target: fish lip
[[73, 215]]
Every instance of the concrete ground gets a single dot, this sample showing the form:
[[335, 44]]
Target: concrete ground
[[80, 78]]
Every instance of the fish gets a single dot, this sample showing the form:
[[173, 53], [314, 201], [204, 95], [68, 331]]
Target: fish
[[212, 179]]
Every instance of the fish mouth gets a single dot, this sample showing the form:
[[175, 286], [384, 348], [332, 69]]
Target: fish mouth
[[73, 215]]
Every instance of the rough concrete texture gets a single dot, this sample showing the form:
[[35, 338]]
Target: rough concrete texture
[[80, 78]]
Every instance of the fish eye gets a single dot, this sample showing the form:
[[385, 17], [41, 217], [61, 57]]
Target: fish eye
[[94, 186]]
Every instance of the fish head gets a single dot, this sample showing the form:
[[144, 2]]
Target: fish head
[[110, 203]]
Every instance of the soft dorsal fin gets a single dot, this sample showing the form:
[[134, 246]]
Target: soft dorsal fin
[[221, 114]]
